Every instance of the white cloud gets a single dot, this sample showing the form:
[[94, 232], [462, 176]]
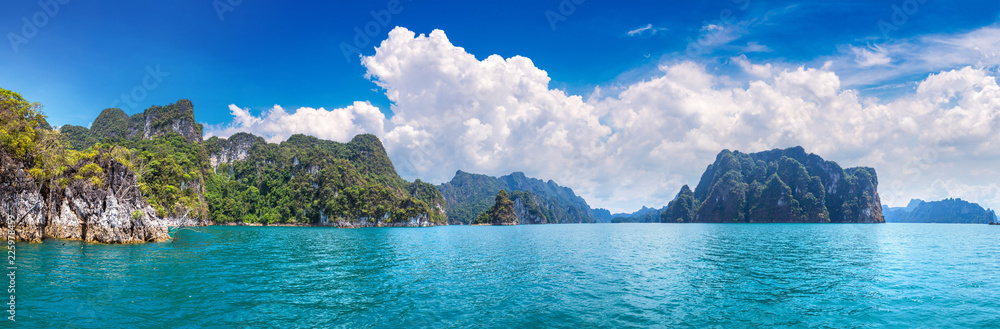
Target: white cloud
[[871, 56], [877, 65], [757, 70], [712, 27], [497, 115], [755, 47], [645, 30], [635, 145], [276, 124]]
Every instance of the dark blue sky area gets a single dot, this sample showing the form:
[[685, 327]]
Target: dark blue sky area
[[89, 53]]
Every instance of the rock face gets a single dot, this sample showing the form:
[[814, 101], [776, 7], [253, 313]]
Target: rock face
[[114, 125], [162, 120], [227, 150], [527, 212], [418, 221], [112, 213], [955, 211], [779, 186]]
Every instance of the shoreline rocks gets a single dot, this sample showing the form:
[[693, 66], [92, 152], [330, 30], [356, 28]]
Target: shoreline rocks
[[115, 213]]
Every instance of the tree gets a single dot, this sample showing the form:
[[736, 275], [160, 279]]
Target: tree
[[21, 124]]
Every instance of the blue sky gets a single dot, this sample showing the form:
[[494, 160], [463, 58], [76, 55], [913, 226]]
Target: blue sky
[[265, 53], [271, 52]]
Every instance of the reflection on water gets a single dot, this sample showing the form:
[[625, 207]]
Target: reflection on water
[[620, 275]]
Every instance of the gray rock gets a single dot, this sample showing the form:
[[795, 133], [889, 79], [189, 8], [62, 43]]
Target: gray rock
[[115, 214]]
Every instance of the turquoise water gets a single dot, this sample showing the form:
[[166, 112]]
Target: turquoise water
[[609, 275]]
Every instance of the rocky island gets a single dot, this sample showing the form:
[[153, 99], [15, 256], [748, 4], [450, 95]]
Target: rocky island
[[778, 186]]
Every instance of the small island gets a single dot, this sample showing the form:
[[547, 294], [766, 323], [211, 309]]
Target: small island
[[778, 186]]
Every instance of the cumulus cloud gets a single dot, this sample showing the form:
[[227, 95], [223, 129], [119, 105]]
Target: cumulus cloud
[[638, 144], [497, 115], [757, 70], [276, 124]]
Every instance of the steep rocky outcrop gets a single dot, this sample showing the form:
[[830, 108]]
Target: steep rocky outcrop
[[23, 208], [161, 120], [227, 150], [113, 212], [469, 195], [113, 125], [779, 186], [527, 210], [954, 211]]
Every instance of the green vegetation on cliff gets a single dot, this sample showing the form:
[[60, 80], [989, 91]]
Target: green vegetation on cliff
[[170, 160], [682, 208], [244, 179], [786, 186], [308, 180], [51, 162]]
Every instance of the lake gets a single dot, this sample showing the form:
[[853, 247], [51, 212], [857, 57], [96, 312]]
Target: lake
[[569, 275]]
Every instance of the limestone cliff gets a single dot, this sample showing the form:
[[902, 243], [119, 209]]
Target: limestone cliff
[[112, 212], [113, 126], [162, 120], [227, 150], [779, 186]]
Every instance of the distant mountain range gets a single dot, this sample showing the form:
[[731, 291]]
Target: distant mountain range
[[644, 215], [956, 211]]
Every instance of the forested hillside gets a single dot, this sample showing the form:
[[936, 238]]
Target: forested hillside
[[303, 180]]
